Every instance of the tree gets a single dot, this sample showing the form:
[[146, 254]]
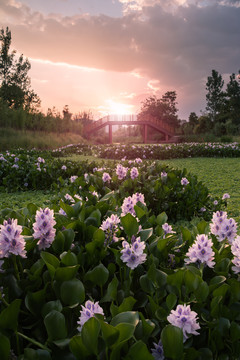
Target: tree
[[14, 80], [193, 119], [164, 108], [233, 99], [215, 95]]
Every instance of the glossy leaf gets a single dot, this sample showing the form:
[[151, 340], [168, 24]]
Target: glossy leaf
[[55, 325], [72, 292], [172, 340], [89, 333]]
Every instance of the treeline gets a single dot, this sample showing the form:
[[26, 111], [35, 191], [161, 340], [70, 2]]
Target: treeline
[[53, 121], [222, 113]]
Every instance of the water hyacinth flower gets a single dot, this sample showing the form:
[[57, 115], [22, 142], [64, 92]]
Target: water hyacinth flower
[[73, 178], [110, 227], [132, 254], [184, 319], [62, 212], [235, 249], [69, 198], [167, 229], [201, 251], [44, 228], [121, 171], [11, 240], [94, 193], [222, 227], [163, 175], [130, 202], [88, 311], [106, 177], [64, 167], [138, 160], [41, 160], [184, 181], [225, 196], [157, 351], [134, 173]]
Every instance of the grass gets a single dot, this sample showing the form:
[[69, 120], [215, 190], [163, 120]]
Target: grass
[[220, 175], [11, 139], [18, 200]]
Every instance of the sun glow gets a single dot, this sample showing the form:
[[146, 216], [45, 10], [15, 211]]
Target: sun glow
[[118, 108]]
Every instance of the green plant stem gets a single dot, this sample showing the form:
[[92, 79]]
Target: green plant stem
[[222, 247], [14, 258], [41, 346]]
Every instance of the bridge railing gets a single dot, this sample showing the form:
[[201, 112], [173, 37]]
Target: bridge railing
[[149, 118]]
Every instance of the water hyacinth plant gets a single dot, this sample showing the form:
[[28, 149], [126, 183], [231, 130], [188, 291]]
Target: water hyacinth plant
[[119, 275]]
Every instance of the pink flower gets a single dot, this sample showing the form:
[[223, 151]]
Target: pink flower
[[184, 319], [11, 240], [106, 177], [44, 228], [201, 251], [134, 173], [88, 311]]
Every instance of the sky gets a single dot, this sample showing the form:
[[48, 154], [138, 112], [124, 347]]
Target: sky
[[108, 56]]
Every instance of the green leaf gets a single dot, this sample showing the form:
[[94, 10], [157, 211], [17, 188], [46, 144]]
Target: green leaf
[[110, 333], [55, 325], [192, 281], [66, 273], [176, 279], [144, 329], [172, 340], [202, 227], [68, 258], [35, 301], [186, 235], [127, 304], [202, 291], [161, 218], [89, 333], [32, 208], [139, 351], [72, 292], [77, 347], [140, 212], [130, 224], [234, 331], [145, 234], [130, 317], [126, 331], [171, 301], [58, 243], [51, 305], [99, 237], [162, 243], [146, 284], [9, 316], [98, 275], [69, 236], [111, 293], [215, 282], [51, 261], [4, 347]]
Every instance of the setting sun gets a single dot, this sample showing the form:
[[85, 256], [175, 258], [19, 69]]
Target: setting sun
[[118, 108]]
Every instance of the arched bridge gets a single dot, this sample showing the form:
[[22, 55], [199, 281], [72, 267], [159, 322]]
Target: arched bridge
[[161, 126]]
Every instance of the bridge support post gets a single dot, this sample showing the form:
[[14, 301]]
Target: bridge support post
[[110, 134], [145, 134], [166, 137]]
